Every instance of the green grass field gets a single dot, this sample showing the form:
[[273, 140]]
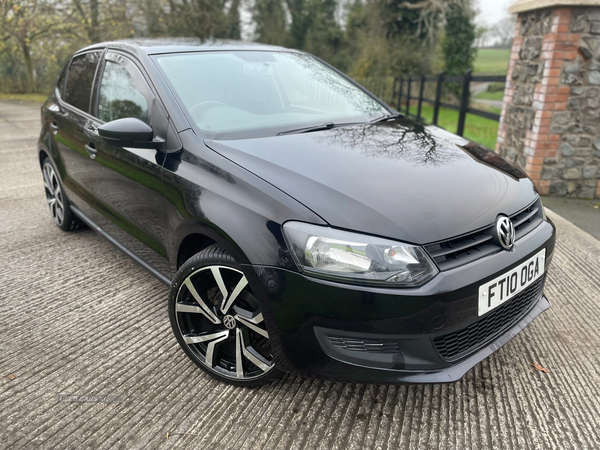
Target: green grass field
[[39, 98], [492, 61], [478, 129]]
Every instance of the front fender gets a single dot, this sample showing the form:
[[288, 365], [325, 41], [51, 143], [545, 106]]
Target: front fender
[[210, 195]]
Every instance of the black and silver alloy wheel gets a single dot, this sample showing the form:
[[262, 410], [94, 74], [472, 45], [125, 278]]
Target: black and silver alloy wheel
[[218, 321], [54, 194], [58, 201]]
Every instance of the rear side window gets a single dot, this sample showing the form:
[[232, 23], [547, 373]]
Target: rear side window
[[80, 78], [119, 95]]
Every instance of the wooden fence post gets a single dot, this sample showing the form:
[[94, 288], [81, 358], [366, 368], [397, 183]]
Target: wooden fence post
[[464, 103], [438, 97]]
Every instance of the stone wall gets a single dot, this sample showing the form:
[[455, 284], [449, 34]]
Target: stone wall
[[550, 124]]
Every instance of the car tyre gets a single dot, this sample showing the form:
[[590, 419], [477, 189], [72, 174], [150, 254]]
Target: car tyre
[[57, 200], [218, 322]]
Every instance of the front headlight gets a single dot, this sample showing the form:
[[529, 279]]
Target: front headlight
[[352, 257]]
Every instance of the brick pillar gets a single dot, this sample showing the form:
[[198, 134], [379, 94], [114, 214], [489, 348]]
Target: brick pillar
[[550, 122]]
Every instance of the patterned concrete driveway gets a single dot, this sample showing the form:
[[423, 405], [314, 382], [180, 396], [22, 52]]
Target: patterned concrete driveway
[[87, 358]]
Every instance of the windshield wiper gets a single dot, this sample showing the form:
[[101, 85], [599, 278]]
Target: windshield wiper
[[330, 125], [325, 126], [387, 117]]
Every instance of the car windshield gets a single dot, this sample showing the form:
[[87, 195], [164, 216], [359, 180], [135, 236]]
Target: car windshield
[[243, 94]]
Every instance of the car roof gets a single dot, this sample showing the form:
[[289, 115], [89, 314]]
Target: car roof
[[153, 46]]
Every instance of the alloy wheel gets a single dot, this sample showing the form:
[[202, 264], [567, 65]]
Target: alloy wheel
[[54, 195], [221, 323]]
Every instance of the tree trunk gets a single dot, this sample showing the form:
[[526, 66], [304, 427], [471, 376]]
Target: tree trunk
[[300, 23], [233, 21], [94, 31], [28, 67]]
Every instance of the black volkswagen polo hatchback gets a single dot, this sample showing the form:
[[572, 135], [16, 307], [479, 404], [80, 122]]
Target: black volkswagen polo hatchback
[[301, 224]]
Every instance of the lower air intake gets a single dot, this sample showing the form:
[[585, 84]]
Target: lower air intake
[[460, 343]]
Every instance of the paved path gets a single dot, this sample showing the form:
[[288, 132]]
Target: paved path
[[583, 213], [478, 88], [79, 318], [487, 103]]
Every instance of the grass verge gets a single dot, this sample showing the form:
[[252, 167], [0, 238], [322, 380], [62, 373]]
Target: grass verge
[[480, 130], [486, 95], [38, 98], [492, 61]]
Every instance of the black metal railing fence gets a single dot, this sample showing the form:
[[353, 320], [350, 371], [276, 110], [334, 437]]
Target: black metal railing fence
[[402, 96]]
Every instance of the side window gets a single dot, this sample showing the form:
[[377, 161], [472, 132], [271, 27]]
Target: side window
[[119, 95], [80, 78]]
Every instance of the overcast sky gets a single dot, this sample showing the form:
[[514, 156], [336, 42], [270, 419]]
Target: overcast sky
[[492, 11]]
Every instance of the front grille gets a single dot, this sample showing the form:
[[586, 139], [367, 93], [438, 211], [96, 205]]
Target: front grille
[[470, 247], [365, 345], [452, 346]]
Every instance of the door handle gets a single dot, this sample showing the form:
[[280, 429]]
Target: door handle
[[91, 149], [54, 127]]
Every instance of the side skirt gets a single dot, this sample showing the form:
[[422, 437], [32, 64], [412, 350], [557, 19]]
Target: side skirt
[[165, 280]]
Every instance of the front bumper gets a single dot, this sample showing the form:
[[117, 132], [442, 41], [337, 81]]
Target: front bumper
[[311, 317], [420, 351]]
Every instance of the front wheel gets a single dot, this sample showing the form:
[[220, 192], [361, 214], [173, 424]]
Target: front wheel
[[218, 321], [57, 200]]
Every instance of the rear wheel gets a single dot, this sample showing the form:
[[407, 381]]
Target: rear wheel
[[57, 200], [218, 321]]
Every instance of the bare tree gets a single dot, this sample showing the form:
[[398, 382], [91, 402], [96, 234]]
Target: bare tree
[[502, 33], [102, 19], [431, 11], [204, 19], [23, 23], [482, 34], [91, 18]]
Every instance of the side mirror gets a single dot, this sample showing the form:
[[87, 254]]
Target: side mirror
[[129, 132]]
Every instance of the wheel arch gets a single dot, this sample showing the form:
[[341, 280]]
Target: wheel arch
[[192, 237], [42, 155], [190, 245], [46, 149]]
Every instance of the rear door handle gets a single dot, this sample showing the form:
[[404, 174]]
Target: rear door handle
[[91, 149], [54, 127]]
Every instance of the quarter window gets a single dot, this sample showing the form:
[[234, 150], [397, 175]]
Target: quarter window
[[61, 83], [119, 95], [80, 78]]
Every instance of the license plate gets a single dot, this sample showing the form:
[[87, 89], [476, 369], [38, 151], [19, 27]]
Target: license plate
[[493, 293]]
